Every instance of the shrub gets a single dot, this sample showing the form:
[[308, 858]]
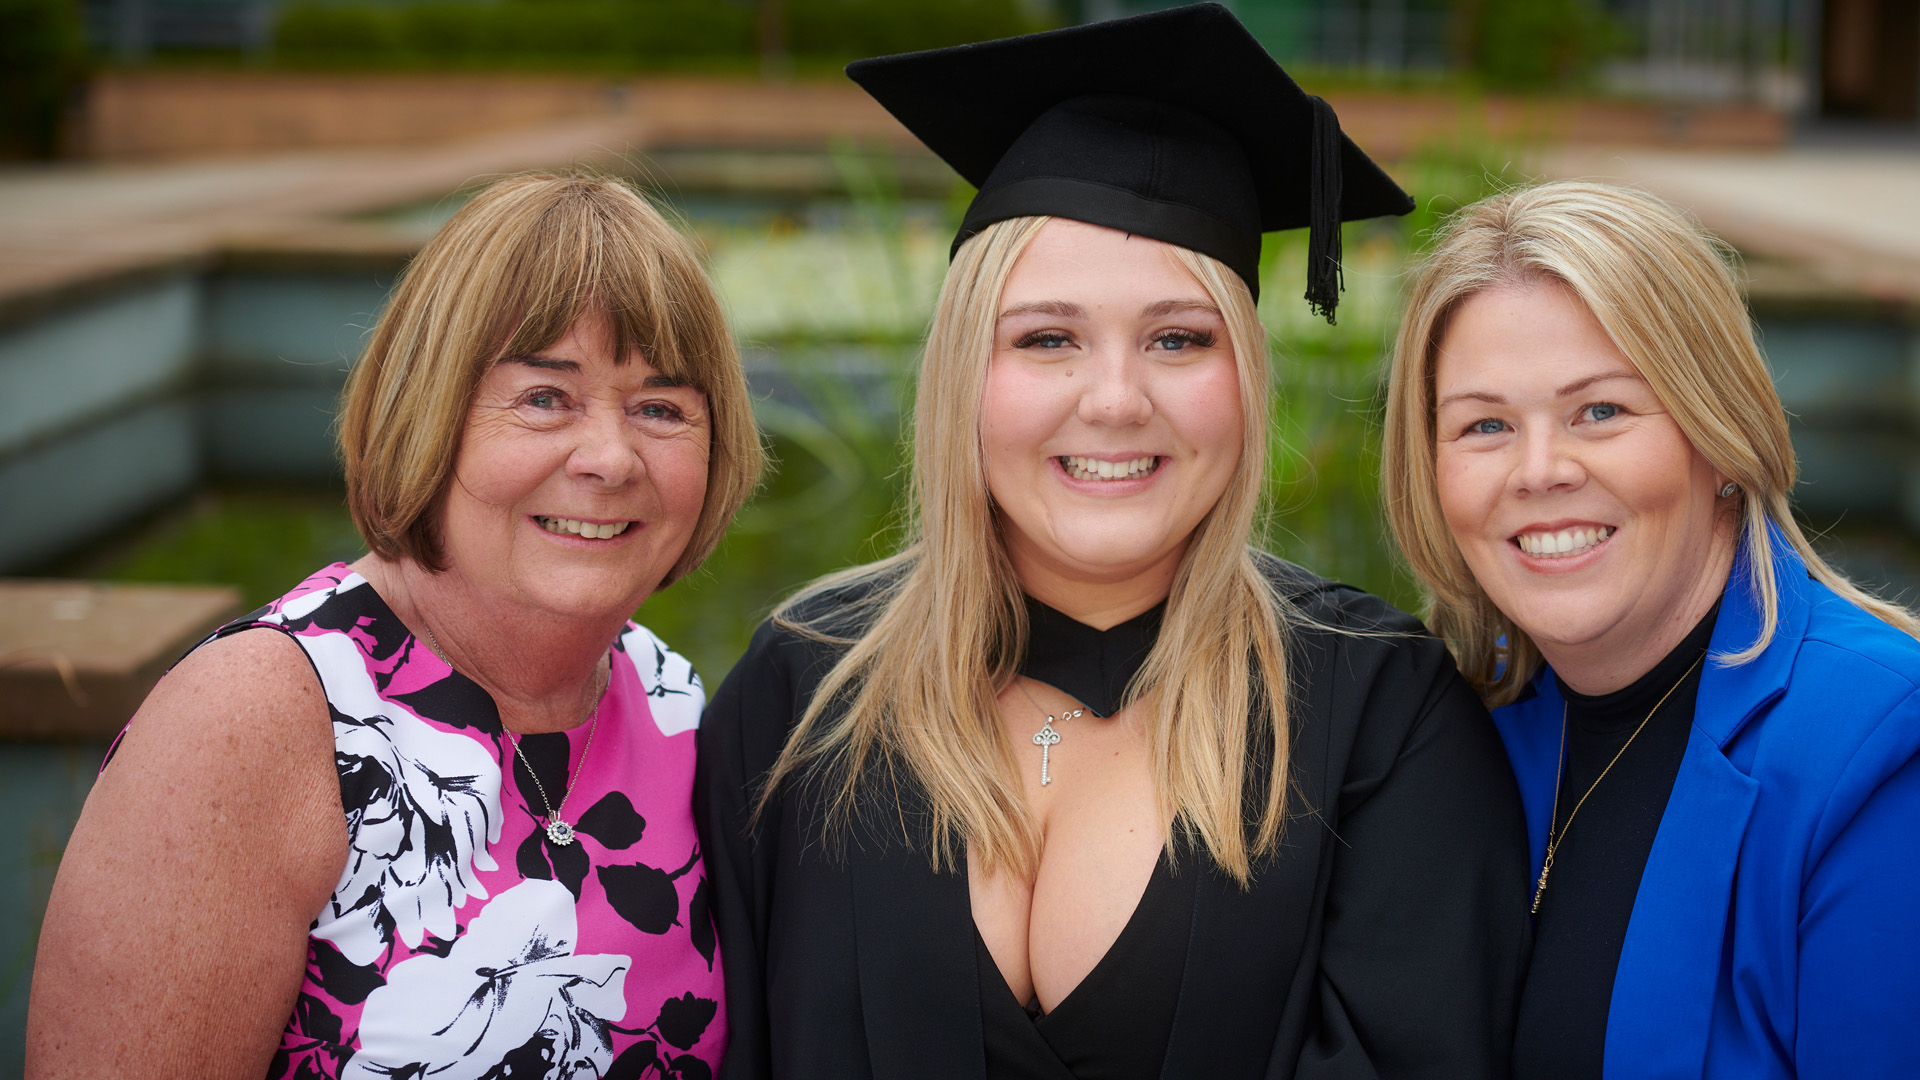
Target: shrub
[[1537, 44], [42, 65]]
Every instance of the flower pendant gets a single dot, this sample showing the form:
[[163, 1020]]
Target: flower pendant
[[559, 832]]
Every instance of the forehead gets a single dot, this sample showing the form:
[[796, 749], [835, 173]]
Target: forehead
[[1527, 338], [1093, 265]]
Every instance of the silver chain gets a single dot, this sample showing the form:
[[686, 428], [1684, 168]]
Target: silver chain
[[558, 830]]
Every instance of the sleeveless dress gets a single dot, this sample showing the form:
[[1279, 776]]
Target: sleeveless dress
[[461, 942]]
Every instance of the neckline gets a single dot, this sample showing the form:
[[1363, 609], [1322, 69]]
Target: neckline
[[1161, 878], [1628, 705], [1094, 666], [459, 683]]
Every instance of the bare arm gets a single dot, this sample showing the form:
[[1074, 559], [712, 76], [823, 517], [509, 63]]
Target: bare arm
[[176, 935]]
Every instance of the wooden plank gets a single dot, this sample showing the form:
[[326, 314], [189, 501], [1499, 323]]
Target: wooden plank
[[78, 657]]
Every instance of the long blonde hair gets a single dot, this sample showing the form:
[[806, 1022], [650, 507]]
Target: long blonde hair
[[1660, 287], [942, 626]]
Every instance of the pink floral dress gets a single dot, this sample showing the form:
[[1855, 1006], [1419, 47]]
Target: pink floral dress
[[462, 942]]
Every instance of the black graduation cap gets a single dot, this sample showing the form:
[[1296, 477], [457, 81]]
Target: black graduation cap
[[1174, 125]]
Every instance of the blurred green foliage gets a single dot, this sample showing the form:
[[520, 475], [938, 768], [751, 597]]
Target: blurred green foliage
[[43, 60], [1526, 45], [618, 34]]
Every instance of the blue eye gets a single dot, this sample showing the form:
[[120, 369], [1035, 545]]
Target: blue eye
[[658, 410], [1176, 340], [1044, 339], [1601, 410], [543, 400], [1487, 427]]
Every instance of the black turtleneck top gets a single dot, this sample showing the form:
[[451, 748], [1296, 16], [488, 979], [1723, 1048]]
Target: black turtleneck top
[[1589, 897]]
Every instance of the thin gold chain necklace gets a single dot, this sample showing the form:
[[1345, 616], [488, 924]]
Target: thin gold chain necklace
[[1553, 842], [558, 830]]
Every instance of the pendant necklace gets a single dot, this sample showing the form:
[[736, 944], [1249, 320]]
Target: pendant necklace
[[1553, 842], [559, 831], [1046, 738]]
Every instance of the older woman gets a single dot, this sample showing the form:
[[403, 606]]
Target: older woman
[[1715, 733], [1078, 784], [549, 424]]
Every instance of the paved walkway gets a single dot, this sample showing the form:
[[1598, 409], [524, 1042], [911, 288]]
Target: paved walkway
[[1848, 217]]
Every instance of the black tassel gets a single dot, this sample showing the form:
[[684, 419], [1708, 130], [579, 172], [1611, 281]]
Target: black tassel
[[1324, 277]]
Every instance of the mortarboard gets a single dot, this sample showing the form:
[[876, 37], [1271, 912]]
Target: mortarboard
[[1175, 125]]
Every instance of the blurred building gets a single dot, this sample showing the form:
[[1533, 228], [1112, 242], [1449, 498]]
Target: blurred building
[[1855, 60]]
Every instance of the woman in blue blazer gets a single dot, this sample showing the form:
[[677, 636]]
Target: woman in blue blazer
[[1715, 733]]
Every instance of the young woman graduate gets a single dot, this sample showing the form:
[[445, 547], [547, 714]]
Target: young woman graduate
[[1078, 784]]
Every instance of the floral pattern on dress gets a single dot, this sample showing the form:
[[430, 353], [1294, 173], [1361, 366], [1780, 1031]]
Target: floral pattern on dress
[[460, 940]]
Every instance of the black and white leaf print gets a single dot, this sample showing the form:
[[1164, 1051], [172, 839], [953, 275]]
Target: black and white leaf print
[[700, 921], [347, 982], [644, 895], [613, 821], [509, 999], [635, 1060], [531, 857], [409, 824], [688, 1067], [570, 863], [684, 1019]]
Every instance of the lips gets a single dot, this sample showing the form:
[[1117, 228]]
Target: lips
[[1563, 543], [586, 530]]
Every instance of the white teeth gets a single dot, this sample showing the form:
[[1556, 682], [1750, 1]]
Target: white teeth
[[1557, 545], [584, 529], [1086, 468]]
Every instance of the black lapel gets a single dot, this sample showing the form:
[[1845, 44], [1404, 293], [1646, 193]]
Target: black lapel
[[919, 988]]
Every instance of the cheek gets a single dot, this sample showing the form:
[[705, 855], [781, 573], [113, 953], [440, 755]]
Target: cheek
[[1015, 407], [1467, 493]]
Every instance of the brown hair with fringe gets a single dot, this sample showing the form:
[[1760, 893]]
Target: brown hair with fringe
[[510, 273]]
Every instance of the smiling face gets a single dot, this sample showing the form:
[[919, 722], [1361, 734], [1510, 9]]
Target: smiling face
[[1579, 505], [1111, 421], [578, 480]]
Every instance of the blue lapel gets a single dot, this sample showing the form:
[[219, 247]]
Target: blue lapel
[[1671, 961]]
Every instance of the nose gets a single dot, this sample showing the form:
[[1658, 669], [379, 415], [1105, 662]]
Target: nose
[[604, 453], [1549, 462], [1115, 391]]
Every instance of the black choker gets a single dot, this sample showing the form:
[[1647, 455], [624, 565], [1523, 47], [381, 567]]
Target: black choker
[[1092, 665]]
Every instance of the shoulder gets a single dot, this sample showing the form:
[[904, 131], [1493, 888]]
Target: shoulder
[[674, 691], [769, 688], [1851, 705], [1364, 636], [1843, 638]]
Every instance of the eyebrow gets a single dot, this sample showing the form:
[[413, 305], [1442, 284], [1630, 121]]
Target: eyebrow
[[1175, 307], [1568, 390], [548, 363], [1061, 309]]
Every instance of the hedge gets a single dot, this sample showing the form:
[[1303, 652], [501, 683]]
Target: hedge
[[621, 32]]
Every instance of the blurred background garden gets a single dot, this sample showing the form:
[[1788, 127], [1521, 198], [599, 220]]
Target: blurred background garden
[[204, 202]]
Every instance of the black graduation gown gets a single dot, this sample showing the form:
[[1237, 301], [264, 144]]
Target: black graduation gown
[[1385, 938]]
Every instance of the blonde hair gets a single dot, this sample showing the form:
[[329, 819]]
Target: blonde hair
[[511, 273], [940, 627], [1660, 286]]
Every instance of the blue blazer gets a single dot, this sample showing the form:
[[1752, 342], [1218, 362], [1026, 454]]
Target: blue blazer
[[1776, 932]]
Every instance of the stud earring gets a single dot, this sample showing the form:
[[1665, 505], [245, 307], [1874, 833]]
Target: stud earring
[[1727, 492]]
